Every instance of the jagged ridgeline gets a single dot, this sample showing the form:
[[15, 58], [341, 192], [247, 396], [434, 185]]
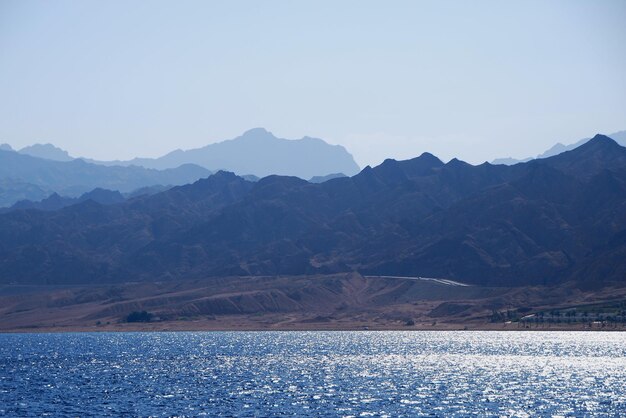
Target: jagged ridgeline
[[547, 221]]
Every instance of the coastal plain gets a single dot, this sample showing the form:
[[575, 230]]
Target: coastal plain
[[347, 301]]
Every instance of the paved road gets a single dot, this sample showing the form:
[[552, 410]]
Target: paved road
[[446, 282]]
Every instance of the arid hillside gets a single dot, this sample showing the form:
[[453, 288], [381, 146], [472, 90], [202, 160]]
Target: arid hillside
[[343, 301]]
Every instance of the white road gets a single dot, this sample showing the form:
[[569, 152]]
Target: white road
[[446, 282]]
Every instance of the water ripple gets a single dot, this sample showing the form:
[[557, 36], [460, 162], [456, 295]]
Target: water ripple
[[314, 373]]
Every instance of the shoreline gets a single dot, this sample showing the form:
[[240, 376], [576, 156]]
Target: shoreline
[[342, 302], [202, 326]]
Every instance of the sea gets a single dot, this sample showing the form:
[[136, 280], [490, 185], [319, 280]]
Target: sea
[[319, 374]]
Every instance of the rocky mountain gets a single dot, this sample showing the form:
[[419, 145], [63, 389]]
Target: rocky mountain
[[260, 153], [549, 221], [619, 137], [26, 177]]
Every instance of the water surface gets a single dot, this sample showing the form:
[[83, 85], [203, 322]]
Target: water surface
[[392, 373]]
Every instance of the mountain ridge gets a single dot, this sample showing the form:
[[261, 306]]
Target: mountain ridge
[[46, 151], [558, 148], [545, 222], [254, 154], [75, 177], [305, 157]]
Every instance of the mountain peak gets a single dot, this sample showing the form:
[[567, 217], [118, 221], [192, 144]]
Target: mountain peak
[[599, 153], [598, 144], [389, 162], [602, 139], [258, 152], [559, 148], [224, 174], [455, 162], [257, 133], [428, 159]]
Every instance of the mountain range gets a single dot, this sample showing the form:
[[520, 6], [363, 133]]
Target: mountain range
[[36, 172], [619, 137], [260, 153], [26, 177], [555, 220], [305, 158], [56, 202]]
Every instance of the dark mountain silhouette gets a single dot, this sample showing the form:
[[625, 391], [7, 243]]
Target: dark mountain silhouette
[[98, 195], [619, 137], [260, 153], [55, 202], [26, 177], [147, 190], [548, 221]]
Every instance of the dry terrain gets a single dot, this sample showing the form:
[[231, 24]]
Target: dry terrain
[[340, 301]]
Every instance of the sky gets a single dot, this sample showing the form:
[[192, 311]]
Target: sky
[[387, 79]]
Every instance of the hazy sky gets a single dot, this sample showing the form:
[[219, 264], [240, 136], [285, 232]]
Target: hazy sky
[[477, 80]]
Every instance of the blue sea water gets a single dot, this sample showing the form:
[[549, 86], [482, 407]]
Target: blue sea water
[[369, 373]]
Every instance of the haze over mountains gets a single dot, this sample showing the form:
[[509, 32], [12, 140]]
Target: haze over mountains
[[26, 177], [549, 221], [55, 201], [37, 171], [258, 152], [46, 151]]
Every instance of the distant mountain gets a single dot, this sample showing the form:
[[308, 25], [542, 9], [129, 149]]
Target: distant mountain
[[260, 153], [250, 177], [98, 195], [26, 177], [322, 179], [509, 161], [619, 137], [5, 147], [147, 190], [13, 190], [56, 202], [46, 151], [549, 221]]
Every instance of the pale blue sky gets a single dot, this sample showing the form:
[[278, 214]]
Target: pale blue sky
[[477, 80]]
